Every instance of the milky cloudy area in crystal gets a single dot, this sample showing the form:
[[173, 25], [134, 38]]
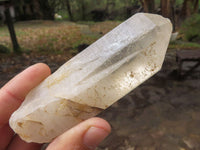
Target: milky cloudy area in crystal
[[94, 79]]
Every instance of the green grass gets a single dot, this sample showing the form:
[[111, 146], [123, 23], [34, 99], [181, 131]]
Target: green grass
[[64, 36], [3, 31], [50, 36], [86, 22], [191, 28], [184, 45]]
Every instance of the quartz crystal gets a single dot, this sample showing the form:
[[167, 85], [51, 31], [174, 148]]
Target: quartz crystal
[[94, 79]]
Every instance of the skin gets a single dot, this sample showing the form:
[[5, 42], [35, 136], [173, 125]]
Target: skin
[[85, 136]]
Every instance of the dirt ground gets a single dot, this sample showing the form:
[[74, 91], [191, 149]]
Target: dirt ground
[[161, 114]]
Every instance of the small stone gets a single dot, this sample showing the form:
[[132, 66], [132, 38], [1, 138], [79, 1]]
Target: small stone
[[94, 79]]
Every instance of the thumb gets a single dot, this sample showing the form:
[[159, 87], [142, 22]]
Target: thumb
[[85, 136]]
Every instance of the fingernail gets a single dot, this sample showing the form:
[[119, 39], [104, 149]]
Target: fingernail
[[94, 136]]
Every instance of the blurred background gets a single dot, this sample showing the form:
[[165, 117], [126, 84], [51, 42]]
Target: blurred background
[[63, 25], [161, 114]]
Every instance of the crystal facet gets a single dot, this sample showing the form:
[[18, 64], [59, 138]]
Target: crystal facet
[[94, 79]]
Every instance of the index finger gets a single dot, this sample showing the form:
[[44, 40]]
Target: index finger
[[14, 92]]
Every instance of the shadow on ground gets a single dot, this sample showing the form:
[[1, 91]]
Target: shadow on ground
[[161, 114]]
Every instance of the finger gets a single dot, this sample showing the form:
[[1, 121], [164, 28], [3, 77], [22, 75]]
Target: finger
[[14, 92], [6, 135], [85, 136], [18, 144]]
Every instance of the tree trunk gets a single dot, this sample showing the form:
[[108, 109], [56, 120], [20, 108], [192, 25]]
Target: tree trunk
[[189, 7], [173, 14], [82, 9], [11, 29], [148, 5], [69, 10], [168, 10], [186, 9], [196, 6], [47, 10]]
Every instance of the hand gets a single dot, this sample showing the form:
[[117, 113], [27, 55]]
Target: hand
[[85, 136]]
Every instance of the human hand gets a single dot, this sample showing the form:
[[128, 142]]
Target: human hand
[[85, 136]]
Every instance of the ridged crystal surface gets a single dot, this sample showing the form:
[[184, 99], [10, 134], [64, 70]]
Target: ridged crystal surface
[[94, 79]]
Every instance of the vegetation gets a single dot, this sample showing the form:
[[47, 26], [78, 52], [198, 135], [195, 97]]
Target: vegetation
[[62, 36], [50, 36], [91, 17], [4, 49], [98, 10], [179, 45], [190, 29]]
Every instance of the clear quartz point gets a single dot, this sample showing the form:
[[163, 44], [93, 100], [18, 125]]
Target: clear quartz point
[[94, 79]]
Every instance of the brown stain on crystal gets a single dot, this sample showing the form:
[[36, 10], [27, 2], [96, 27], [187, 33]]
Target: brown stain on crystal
[[36, 122], [42, 132], [154, 67], [58, 79], [77, 110], [152, 44], [149, 50], [20, 124], [132, 74]]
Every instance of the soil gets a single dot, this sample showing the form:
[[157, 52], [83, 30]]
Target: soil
[[11, 65], [161, 114]]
